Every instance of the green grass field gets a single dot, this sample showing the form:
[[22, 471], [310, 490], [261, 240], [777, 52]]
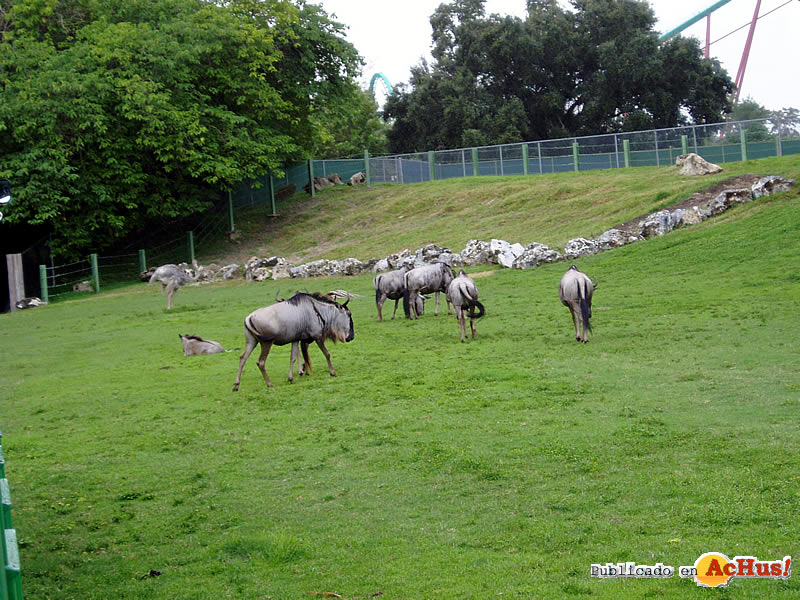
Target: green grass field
[[498, 468]]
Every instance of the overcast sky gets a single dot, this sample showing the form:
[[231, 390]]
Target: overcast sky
[[393, 36]]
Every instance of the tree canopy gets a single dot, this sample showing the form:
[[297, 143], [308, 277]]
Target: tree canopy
[[597, 68], [116, 113]]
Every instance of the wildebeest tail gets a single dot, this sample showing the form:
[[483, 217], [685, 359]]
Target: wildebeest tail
[[585, 312], [472, 306], [249, 327]]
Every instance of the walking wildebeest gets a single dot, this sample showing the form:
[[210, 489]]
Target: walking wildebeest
[[575, 291], [392, 285], [427, 279], [463, 294], [298, 321], [195, 346], [172, 277]]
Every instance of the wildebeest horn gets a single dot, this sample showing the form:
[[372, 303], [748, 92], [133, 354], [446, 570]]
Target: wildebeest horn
[[595, 283], [276, 296]]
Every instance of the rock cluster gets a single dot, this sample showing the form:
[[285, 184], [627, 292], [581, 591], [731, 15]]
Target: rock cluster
[[496, 251]]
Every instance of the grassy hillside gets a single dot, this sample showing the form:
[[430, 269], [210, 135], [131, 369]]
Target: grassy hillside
[[549, 209], [501, 467]]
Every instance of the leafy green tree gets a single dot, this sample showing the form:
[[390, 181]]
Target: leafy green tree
[[597, 68], [348, 126], [119, 113]]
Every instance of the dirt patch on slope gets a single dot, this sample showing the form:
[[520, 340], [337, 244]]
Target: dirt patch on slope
[[701, 198]]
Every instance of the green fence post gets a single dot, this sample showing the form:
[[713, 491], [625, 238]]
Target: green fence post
[[311, 175], [744, 145], [190, 241], [524, 159], [271, 193], [626, 151], [43, 282], [684, 144], [5, 504], [575, 157], [142, 261], [11, 565], [230, 212], [431, 165], [475, 169], [95, 272], [366, 167]]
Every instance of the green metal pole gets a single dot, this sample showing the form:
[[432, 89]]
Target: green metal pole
[[142, 261], [626, 150], [366, 168], [575, 157], [95, 272], [230, 212], [685, 144], [311, 176], [475, 169], [524, 159], [43, 282], [271, 193], [431, 164], [190, 241], [744, 145]]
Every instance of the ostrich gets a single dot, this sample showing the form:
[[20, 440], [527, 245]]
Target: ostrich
[[172, 277]]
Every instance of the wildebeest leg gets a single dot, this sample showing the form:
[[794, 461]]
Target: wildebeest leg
[[379, 302], [462, 325], [169, 298], [249, 346], [305, 368], [262, 360], [576, 320], [327, 354], [295, 355], [397, 300]]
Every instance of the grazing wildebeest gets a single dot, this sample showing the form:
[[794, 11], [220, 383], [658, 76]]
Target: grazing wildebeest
[[427, 279], [463, 294], [172, 277], [301, 319], [195, 346], [392, 285], [575, 291]]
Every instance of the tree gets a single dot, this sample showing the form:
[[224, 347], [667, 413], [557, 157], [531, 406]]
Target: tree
[[119, 113], [348, 126], [598, 68]]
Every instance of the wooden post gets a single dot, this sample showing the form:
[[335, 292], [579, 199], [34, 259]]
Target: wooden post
[[190, 241], [142, 261], [367, 173], [16, 280], [431, 165], [685, 144], [475, 168], [271, 194], [575, 157]]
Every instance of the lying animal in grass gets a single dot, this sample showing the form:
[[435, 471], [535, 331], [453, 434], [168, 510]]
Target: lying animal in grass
[[195, 346]]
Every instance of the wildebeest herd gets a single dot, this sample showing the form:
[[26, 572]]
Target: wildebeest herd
[[313, 317]]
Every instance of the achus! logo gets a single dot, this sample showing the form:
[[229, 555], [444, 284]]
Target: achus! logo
[[713, 569]]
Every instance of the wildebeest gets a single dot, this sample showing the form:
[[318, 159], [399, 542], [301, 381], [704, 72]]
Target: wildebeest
[[575, 292], [301, 319], [427, 279], [357, 178], [392, 285], [172, 277], [463, 294], [30, 302], [195, 346]]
